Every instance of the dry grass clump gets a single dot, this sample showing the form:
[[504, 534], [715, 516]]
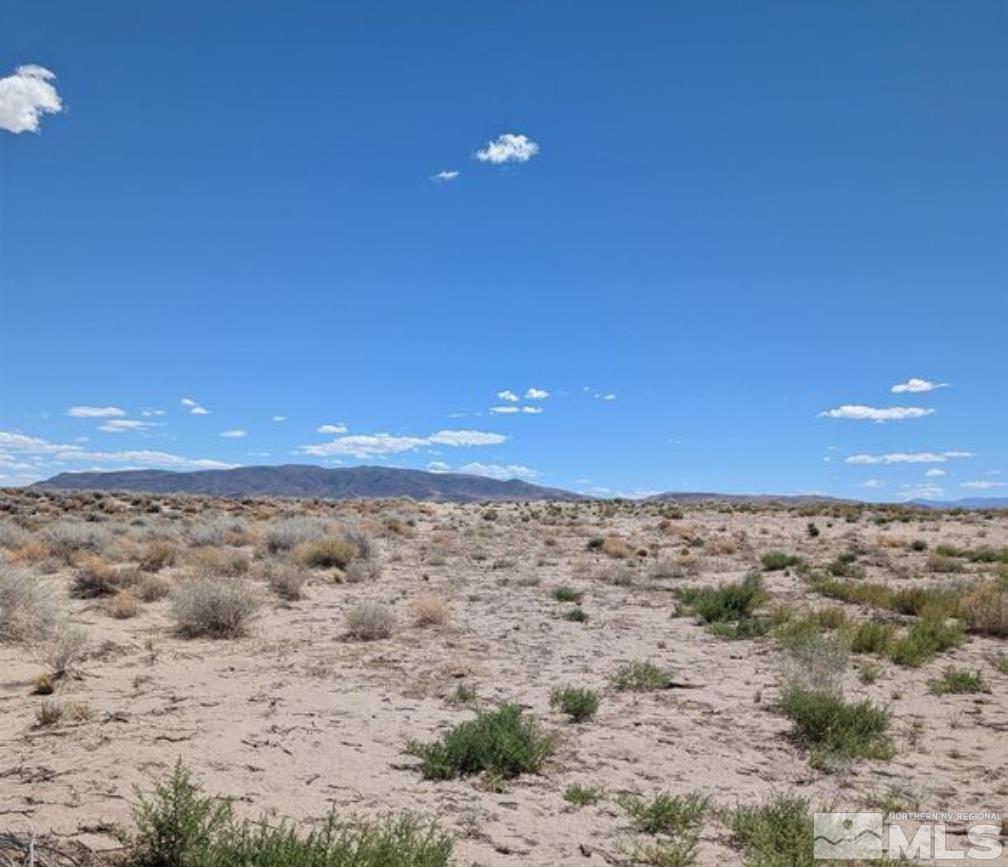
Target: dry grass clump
[[218, 530], [95, 578], [286, 580], [68, 537], [29, 610], [429, 610], [65, 651], [362, 570], [219, 561], [13, 536], [288, 533], [124, 605], [215, 607], [152, 588], [158, 555], [616, 547], [328, 553], [369, 621], [985, 610]]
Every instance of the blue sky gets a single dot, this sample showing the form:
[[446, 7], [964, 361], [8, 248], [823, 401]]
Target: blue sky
[[728, 218]]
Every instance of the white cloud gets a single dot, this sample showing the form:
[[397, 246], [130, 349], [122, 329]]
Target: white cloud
[[370, 445], [922, 492], [876, 414], [152, 412], [983, 485], [532, 410], [61, 453], [504, 410], [444, 177], [279, 418], [124, 425], [914, 385], [508, 395], [25, 96], [499, 471], [906, 458], [331, 428], [95, 412], [536, 394], [508, 148], [438, 467], [235, 434], [935, 473], [872, 483], [466, 438], [194, 407]]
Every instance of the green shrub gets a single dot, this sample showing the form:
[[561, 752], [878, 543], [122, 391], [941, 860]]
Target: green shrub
[[578, 702], [812, 529], [872, 636], [746, 628], [925, 639], [327, 553], [845, 566], [919, 545], [564, 593], [837, 731], [502, 742], [641, 676], [578, 615], [735, 601], [667, 814], [178, 826], [774, 561], [680, 852], [958, 680], [777, 833], [582, 796]]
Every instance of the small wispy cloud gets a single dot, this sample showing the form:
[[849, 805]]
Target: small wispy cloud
[[532, 410], [504, 410], [234, 433], [125, 425], [25, 96], [508, 148], [279, 418], [331, 428], [536, 394], [194, 407], [907, 458], [876, 414], [872, 483], [921, 492], [95, 412], [935, 473], [444, 177], [508, 395], [915, 385], [152, 412], [438, 467], [983, 485]]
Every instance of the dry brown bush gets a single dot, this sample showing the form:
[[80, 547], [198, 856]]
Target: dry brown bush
[[616, 546], [94, 578], [429, 609], [219, 561], [985, 610], [360, 571], [326, 553], [369, 621], [152, 588], [157, 555], [123, 605]]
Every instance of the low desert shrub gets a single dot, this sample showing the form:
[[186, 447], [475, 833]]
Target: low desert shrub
[[582, 796], [64, 651], [48, 713], [124, 605], [215, 607], [95, 578], [777, 833], [217, 530], [288, 533], [733, 601], [226, 562], [502, 742], [326, 553], [29, 609], [152, 588], [812, 660], [67, 537], [286, 580], [641, 676], [13, 536], [564, 593], [370, 621], [429, 609], [577, 615], [360, 571], [578, 702], [985, 610], [775, 561], [157, 556], [957, 681], [872, 636], [836, 731], [667, 813], [924, 639]]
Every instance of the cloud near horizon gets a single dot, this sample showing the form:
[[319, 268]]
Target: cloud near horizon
[[372, 445], [907, 458]]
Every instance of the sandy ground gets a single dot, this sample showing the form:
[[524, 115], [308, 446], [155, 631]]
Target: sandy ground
[[295, 719]]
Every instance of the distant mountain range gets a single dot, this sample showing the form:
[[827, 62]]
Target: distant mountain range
[[302, 480], [344, 483]]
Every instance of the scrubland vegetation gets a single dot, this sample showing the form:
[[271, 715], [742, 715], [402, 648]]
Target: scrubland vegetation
[[209, 683]]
